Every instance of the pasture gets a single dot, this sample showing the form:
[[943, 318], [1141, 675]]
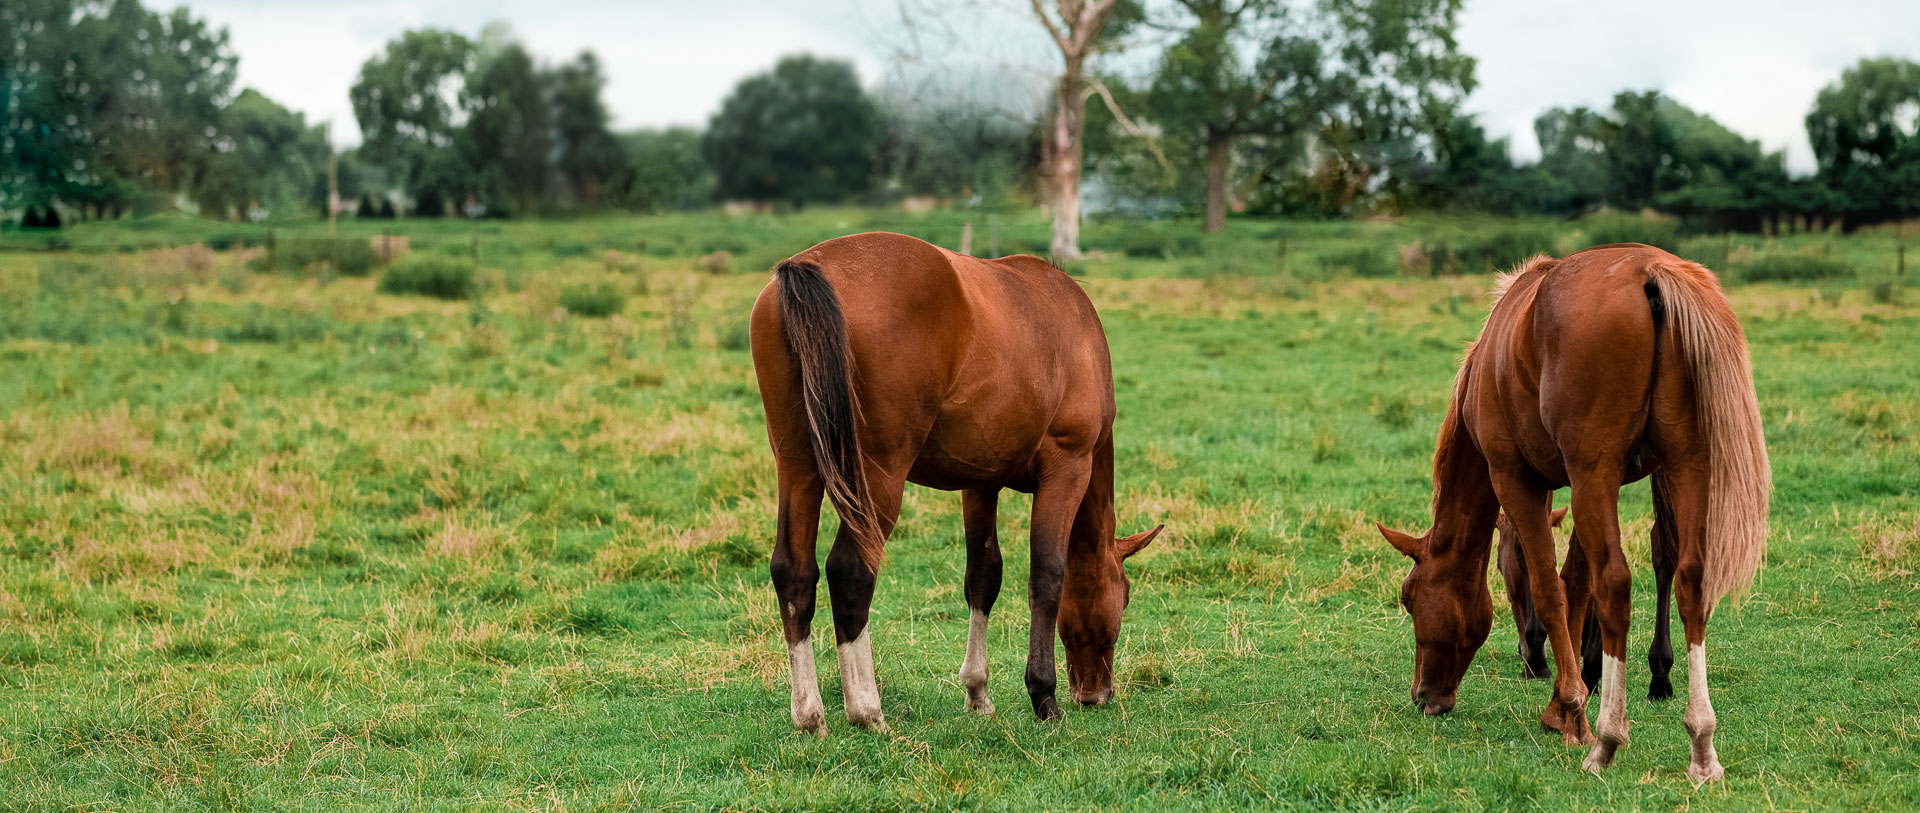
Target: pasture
[[279, 539]]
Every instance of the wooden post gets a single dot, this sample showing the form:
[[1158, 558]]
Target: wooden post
[[473, 249], [333, 188], [966, 238], [993, 237], [1900, 270]]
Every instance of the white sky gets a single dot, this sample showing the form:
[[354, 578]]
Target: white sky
[[1754, 65]]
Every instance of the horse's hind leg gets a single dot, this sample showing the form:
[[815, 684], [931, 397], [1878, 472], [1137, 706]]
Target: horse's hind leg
[[1596, 514], [796, 577], [1660, 654], [1690, 494], [850, 581], [979, 511]]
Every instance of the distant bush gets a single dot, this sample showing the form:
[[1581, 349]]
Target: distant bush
[[351, 256], [1475, 252], [1362, 262], [430, 275], [227, 240], [1624, 228], [597, 301], [1161, 243], [1792, 268]]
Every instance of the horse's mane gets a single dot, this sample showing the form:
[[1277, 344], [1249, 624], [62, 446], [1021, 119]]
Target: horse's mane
[[1450, 426]]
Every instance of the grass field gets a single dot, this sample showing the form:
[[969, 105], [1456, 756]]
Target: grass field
[[278, 540]]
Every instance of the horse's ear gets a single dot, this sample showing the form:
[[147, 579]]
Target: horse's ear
[[1403, 542], [1129, 545], [1555, 517]]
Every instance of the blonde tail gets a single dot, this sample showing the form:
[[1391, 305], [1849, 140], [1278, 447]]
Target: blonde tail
[[1740, 478]]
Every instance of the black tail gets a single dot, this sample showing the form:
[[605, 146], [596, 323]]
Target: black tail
[[817, 340]]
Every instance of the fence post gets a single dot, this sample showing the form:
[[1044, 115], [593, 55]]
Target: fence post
[[993, 237], [473, 249], [1900, 270], [1283, 255], [966, 238]]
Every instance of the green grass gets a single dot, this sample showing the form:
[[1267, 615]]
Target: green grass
[[281, 541]]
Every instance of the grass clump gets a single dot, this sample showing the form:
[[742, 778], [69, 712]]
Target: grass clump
[[596, 301], [1792, 268], [432, 275]]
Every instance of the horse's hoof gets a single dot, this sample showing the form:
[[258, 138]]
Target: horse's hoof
[[1660, 690], [1046, 708], [1702, 775], [1599, 759], [981, 705]]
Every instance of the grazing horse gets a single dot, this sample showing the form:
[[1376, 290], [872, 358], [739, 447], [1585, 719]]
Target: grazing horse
[[884, 360], [1613, 364], [1533, 634]]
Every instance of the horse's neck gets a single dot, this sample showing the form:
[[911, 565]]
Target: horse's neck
[[1464, 506]]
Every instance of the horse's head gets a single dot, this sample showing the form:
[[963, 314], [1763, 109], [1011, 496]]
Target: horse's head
[[1452, 612], [1091, 600]]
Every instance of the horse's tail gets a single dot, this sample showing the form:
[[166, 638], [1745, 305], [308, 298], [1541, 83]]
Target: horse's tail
[[816, 334], [1687, 300]]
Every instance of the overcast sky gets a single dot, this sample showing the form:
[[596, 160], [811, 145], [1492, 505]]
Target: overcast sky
[[1754, 65]]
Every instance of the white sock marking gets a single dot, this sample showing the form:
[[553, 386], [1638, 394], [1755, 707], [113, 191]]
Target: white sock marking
[[1705, 765], [857, 682], [809, 714], [973, 670], [1610, 732]]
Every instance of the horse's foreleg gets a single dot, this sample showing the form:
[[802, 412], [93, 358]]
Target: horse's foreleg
[[796, 577], [1596, 514], [1526, 622], [979, 512], [1526, 506], [851, 580], [1055, 503]]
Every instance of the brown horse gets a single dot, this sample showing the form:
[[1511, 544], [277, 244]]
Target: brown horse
[[1533, 633], [1616, 363], [885, 360]]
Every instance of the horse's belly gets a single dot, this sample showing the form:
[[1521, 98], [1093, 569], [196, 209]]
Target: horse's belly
[[972, 453]]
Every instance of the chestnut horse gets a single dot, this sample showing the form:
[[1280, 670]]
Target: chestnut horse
[[884, 360], [1533, 634], [1613, 364]]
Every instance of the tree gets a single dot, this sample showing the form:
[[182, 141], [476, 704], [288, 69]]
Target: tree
[[588, 154], [954, 134], [802, 133], [264, 153], [1076, 27], [508, 136], [1573, 146], [106, 103], [407, 101], [1209, 92], [668, 173], [1865, 134]]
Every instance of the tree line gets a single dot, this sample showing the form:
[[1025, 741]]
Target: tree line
[[1328, 108]]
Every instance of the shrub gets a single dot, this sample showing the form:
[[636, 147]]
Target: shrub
[[1160, 243], [1624, 228], [350, 256], [1362, 262], [1474, 252], [430, 275], [597, 301], [1792, 268]]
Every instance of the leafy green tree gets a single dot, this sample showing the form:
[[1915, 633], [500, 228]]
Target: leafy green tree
[[801, 133], [1368, 81], [668, 172], [508, 134], [264, 154], [588, 154], [952, 135], [107, 103], [1865, 131], [407, 101], [1573, 157]]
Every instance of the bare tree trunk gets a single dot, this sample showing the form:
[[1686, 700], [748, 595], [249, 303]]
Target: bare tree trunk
[[1217, 157], [1075, 34], [1063, 160]]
